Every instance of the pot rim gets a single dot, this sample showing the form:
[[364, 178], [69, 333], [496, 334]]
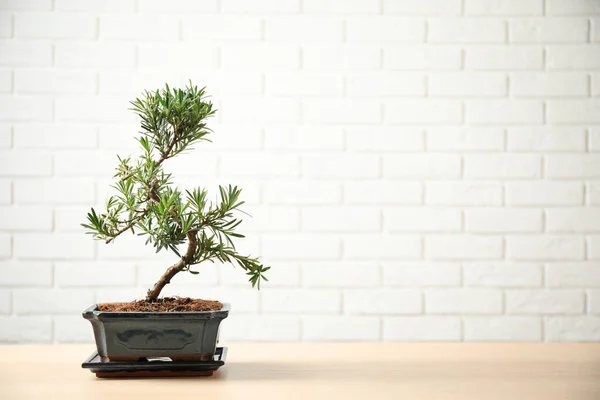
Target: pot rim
[[93, 313]]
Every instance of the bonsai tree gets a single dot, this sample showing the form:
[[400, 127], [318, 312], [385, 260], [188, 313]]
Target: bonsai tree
[[146, 203]]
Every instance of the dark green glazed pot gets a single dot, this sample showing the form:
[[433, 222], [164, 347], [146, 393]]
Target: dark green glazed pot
[[129, 336]]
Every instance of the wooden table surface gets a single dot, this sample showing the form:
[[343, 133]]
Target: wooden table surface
[[325, 371]]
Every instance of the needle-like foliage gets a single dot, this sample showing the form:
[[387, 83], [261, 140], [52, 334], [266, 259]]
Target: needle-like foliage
[[146, 204]]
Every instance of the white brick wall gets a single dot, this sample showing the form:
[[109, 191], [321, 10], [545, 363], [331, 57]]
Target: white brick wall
[[417, 170]]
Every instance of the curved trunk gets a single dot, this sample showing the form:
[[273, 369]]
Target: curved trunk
[[175, 268]]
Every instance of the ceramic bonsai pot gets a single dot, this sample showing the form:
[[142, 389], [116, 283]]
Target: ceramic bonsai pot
[[129, 336]]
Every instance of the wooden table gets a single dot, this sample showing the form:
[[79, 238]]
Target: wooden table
[[325, 371]]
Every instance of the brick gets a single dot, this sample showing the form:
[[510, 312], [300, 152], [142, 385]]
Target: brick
[[344, 328], [497, 220], [304, 84], [340, 274], [5, 301], [573, 57], [132, 83], [543, 301], [284, 275], [48, 136], [271, 166], [271, 219], [571, 7], [144, 27], [358, 7], [503, 329], [25, 108], [467, 247], [98, 274], [267, 6], [252, 57], [13, 273], [502, 274], [97, 6], [463, 301], [301, 301], [226, 27], [593, 193], [394, 84], [595, 82], [548, 30], [421, 275], [84, 163], [25, 218], [573, 166], [122, 295], [542, 193], [51, 301], [93, 109], [502, 166], [303, 29], [29, 5], [385, 247], [340, 219], [301, 247], [463, 193], [25, 329], [382, 29], [554, 247], [422, 166], [178, 6], [341, 111], [266, 110], [384, 139], [25, 54], [464, 139], [546, 139], [573, 111], [382, 301], [425, 7], [504, 112], [25, 163], [313, 138], [5, 136], [594, 301], [5, 246], [503, 7], [6, 81], [340, 166], [422, 329], [237, 137], [504, 58], [551, 84], [94, 55], [417, 111], [415, 57], [302, 192], [129, 246], [569, 329], [416, 219], [466, 30], [572, 275], [345, 57], [72, 329], [262, 328], [573, 220], [54, 191], [6, 25], [55, 26], [69, 219], [467, 84], [32, 246], [55, 81], [383, 192]]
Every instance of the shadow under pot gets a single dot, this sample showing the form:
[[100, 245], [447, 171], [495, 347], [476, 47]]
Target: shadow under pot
[[130, 336]]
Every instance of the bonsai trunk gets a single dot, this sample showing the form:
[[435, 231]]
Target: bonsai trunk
[[175, 268]]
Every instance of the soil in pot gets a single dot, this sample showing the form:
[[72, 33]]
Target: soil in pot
[[165, 304]]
